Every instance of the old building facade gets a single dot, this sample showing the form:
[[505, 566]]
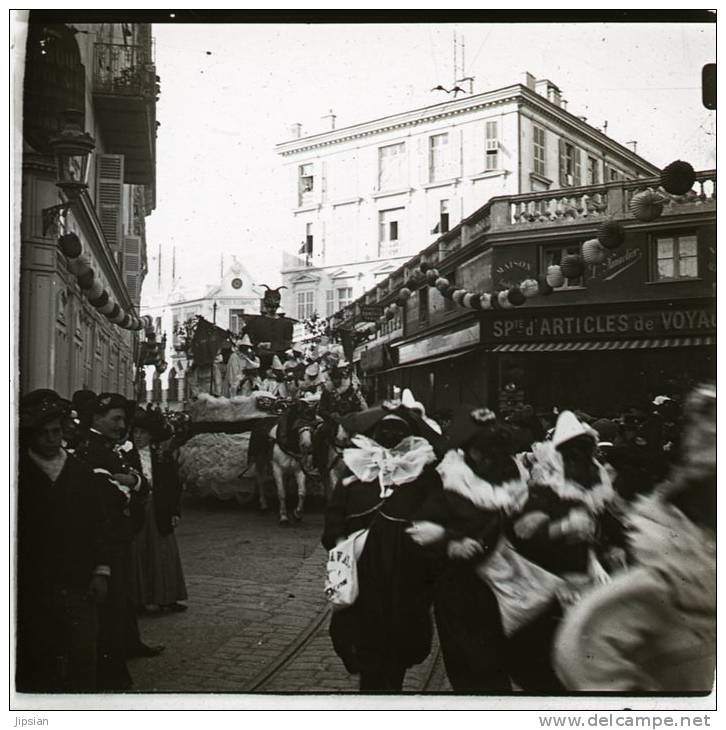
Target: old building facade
[[640, 323], [364, 198], [106, 72]]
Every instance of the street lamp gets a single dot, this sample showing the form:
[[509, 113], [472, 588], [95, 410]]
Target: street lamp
[[71, 148]]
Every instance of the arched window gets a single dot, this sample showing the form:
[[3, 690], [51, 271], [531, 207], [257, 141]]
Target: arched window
[[54, 81]]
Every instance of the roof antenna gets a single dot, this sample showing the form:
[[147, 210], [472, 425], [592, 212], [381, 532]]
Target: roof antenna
[[456, 89]]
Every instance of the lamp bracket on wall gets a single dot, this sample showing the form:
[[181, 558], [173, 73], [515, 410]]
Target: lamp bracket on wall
[[52, 216]]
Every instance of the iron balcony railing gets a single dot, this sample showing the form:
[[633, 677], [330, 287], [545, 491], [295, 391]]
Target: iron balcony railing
[[124, 70]]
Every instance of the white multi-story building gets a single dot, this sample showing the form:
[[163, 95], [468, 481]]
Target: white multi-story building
[[365, 198]]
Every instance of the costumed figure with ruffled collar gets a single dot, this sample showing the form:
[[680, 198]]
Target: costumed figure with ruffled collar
[[390, 475], [569, 527], [483, 486], [653, 628]]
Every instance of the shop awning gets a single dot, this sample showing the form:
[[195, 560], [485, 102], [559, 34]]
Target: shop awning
[[427, 361], [583, 345]]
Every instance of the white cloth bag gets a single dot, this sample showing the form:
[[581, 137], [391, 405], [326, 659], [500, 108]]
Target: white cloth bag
[[341, 583], [523, 589]]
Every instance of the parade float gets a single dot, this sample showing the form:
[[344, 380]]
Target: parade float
[[213, 460]]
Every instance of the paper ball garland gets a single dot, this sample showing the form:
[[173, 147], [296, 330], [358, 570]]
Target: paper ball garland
[[404, 294], [70, 245], [485, 300], [466, 301], [678, 177], [107, 307], [494, 302], [424, 266], [647, 205], [442, 283], [503, 299], [593, 252], [125, 323], [555, 277], [458, 296], [114, 310], [476, 301], [100, 300], [611, 234], [431, 276], [95, 290], [543, 287], [572, 266], [448, 292], [529, 288], [515, 297], [85, 280]]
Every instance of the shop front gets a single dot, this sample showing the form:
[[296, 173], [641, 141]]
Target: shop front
[[601, 359]]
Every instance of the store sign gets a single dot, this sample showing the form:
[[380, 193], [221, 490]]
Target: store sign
[[370, 312], [669, 322], [439, 344], [374, 358]]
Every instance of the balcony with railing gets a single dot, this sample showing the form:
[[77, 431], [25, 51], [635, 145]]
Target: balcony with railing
[[125, 90]]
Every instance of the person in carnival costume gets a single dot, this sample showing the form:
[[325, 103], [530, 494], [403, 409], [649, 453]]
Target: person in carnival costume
[[390, 475]]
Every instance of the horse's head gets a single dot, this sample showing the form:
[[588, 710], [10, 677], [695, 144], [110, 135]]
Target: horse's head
[[341, 438]]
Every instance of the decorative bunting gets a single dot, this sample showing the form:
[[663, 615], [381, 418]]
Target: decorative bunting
[[647, 205]]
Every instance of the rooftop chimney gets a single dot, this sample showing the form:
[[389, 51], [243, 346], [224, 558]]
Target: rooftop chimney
[[296, 130], [528, 80], [544, 87], [331, 119]]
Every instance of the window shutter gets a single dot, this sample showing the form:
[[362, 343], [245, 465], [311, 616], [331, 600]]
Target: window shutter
[[563, 163], [109, 197], [577, 176], [132, 267]]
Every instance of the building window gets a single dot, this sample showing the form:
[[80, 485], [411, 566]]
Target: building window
[[592, 176], [306, 248], [554, 255], [306, 182], [423, 304], [492, 152], [392, 166], [305, 304], [438, 157], [442, 225], [389, 232], [676, 257], [614, 174], [539, 151], [236, 320], [329, 302], [569, 165], [345, 296]]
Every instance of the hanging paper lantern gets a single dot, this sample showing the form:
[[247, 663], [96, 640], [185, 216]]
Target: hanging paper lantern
[[147, 321], [442, 283], [466, 301], [100, 300], [494, 301], [417, 277], [448, 293], [70, 245], [431, 276], [458, 296], [107, 307], [543, 288], [503, 299], [515, 297], [611, 234], [404, 294], [85, 280], [393, 307], [678, 177], [572, 266], [529, 288], [475, 301], [647, 205], [390, 314], [114, 310], [79, 265], [424, 266], [593, 252], [555, 278], [485, 300], [95, 290], [125, 323]]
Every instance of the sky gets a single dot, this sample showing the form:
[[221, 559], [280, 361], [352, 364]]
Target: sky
[[229, 94]]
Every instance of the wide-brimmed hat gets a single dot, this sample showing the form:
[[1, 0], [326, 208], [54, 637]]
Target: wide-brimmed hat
[[607, 430], [466, 423], [364, 422], [108, 401], [244, 341], [153, 422], [569, 427], [83, 401], [276, 364], [40, 406]]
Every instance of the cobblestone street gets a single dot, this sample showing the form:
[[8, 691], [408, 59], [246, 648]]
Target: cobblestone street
[[256, 618]]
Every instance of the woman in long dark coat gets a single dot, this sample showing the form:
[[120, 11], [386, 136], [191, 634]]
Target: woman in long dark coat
[[388, 629], [483, 485]]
